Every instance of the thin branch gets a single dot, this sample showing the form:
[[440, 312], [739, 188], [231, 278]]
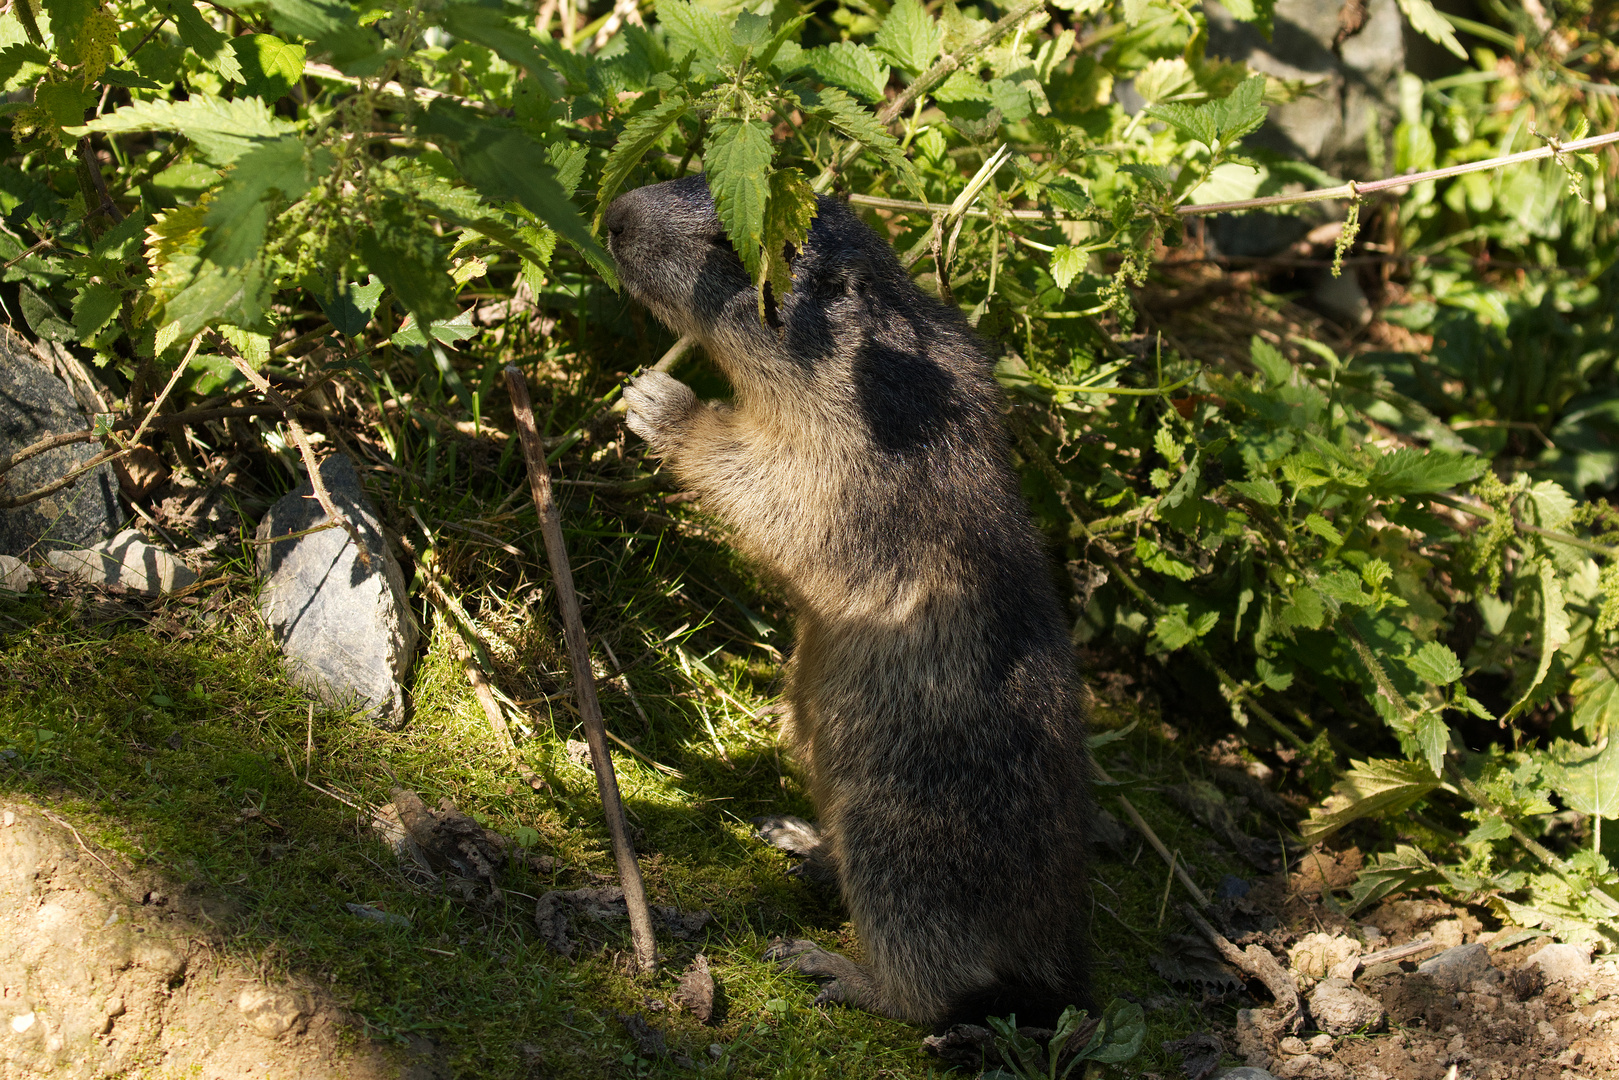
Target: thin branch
[[584, 680], [361, 551], [1174, 864], [1256, 962]]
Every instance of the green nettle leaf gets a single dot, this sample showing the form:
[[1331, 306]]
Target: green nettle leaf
[[1156, 559], [1271, 363], [1175, 630], [221, 130], [750, 31], [270, 66], [494, 30], [208, 43], [737, 160], [1553, 631], [1263, 491], [1220, 122], [1410, 471], [910, 37], [641, 133], [1435, 663], [1135, 11], [1369, 788], [1254, 11], [788, 216], [401, 248], [333, 28], [64, 103], [697, 32], [1067, 263], [1323, 528], [239, 215], [503, 162], [350, 305], [1119, 1036], [1596, 698], [854, 67], [1433, 738], [1588, 780], [1406, 869], [239, 295], [94, 308], [84, 34], [1426, 20]]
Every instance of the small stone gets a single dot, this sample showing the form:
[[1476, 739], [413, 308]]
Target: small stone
[[1562, 963], [1293, 1045], [1340, 1009], [8, 819], [1321, 1044], [1243, 1072], [20, 1024], [126, 560], [270, 1013], [716, 1051], [1457, 967], [15, 575], [1315, 955]]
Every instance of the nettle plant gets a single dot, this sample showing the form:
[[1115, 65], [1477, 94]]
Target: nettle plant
[[190, 192]]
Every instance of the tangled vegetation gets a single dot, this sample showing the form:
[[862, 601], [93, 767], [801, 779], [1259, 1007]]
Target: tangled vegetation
[[1389, 557]]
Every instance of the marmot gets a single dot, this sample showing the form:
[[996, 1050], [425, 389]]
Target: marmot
[[936, 709]]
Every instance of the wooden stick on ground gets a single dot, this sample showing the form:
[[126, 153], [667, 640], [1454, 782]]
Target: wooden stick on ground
[[1256, 962], [584, 680], [497, 721]]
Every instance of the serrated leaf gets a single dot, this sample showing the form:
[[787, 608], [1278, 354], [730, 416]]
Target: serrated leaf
[[270, 66], [240, 213], [1435, 663], [350, 305], [737, 159], [1433, 739], [854, 67], [910, 37], [1155, 558], [332, 28], [641, 133], [221, 130], [400, 247], [788, 216], [1410, 471], [239, 295], [697, 32], [84, 33], [750, 31], [254, 348], [209, 44], [1426, 20], [1369, 788], [835, 107], [1068, 263], [1405, 869], [63, 103], [1175, 629], [1223, 121], [1588, 780], [94, 308], [445, 331], [503, 162], [1272, 365], [491, 27], [1260, 12], [1595, 694], [1323, 528], [1263, 491]]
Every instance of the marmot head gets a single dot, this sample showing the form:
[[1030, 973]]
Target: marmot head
[[849, 291]]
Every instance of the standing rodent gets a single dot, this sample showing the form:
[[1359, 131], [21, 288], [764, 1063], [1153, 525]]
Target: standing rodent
[[936, 710]]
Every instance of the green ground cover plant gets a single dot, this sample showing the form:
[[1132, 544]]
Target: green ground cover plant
[[1390, 560]]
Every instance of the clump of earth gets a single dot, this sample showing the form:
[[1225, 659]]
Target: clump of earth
[[107, 970]]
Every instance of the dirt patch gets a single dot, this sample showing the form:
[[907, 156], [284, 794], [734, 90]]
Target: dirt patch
[[109, 970], [1492, 1019]]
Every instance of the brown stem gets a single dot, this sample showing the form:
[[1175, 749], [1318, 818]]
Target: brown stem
[[497, 722], [584, 681], [1256, 962]]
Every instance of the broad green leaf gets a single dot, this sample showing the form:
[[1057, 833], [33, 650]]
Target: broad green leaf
[[910, 37], [208, 43], [240, 295], [1596, 699], [1433, 739], [750, 31], [1369, 788], [788, 215], [254, 348], [1426, 20], [494, 30], [1260, 12], [1155, 558], [1119, 1036], [1263, 491], [1174, 629], [854, 67], [1549, 506], [333, 29], [1553, 632], [1164, 79], [270, 66], [1305, 608], [239, 215], [1385, 874], [94, 308], [1067, 263], [64, 103], [737, 158], [1223, 121], [83, 33], [641, 133], [1135, 11], [1323, 528], [221, 130], [1435, 663], [349, 306], [445, 331], [1410, 471], [849, 118], [695, 31], [400, 247], [1588, 781], [1271, 363], [503, 162]]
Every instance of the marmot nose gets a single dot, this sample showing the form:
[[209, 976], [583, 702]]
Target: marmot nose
[[618, 216]]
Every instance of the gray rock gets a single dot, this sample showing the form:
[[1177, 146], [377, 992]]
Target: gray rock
[[1357, 83], [15, 575], [346, 631], [1340, 1009], [1243, 1072], [126, 560], [1562, 963], [34, 404], [1456, 968]]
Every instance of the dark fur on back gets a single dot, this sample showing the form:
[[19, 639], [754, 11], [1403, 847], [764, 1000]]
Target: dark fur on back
[[936, 710]]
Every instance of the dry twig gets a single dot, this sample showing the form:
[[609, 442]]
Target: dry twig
[[1257, 962]]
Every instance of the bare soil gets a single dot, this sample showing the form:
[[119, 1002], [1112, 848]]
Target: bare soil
[[106, 970]]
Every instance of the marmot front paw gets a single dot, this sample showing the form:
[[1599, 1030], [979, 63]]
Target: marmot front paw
[[659, 406]]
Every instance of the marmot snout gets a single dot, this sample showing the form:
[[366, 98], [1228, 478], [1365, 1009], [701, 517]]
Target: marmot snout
[[936, 711]]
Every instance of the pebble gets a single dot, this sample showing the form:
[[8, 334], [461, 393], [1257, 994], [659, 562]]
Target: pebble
[[1562, 963], [126, 560], [14, 574], [1340, 1009], [1458, 966]]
